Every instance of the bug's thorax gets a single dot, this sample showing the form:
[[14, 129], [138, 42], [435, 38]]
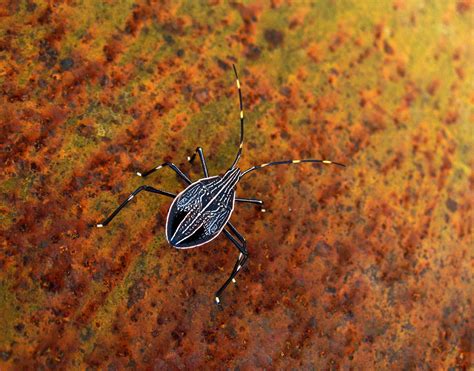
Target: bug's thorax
[[200, 212]]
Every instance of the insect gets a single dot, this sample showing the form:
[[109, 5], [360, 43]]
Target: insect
[[201, 212]]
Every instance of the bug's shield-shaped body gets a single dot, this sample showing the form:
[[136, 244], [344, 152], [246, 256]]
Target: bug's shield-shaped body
[[200, 212]]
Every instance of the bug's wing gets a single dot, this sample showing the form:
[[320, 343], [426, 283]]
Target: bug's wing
[[199, 228], [203, 229], [184, 209], [214, 221], [199, 213], [191, 199]]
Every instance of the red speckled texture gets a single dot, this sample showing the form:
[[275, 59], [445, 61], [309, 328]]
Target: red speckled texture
[[367, 267]]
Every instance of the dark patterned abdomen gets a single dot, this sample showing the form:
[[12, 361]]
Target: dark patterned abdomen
[[199, 213]]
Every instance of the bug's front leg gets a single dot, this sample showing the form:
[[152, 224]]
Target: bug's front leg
[[171, 166], [200, 152], [132, 195], [241, 245]]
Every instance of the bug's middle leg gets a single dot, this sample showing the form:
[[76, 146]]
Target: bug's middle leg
[[241, 245], [132, 195], [200, 152], [249, 201]]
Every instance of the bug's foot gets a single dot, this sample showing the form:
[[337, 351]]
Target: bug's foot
[[218, 301], [99, 225], [139, 174], [233, 280], [191, 158]]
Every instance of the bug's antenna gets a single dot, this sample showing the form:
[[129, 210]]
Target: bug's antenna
[[239, 152], [286, 162]]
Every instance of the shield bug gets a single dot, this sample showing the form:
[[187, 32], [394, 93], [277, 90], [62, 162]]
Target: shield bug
[[201, 212]]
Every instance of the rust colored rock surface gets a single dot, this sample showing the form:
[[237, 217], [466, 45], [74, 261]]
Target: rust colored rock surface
[[367, 267]]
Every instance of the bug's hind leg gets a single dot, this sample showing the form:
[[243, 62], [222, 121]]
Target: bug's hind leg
[[242, 240], [132, 195], [200, 152], [171, 166], [241, 244], [237, 233]]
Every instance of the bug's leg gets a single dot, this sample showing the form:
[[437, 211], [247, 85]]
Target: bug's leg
[[200, 152], [249, 201], [241, 260], [132, 195], [170, 165], [242, 240], [237, 234]]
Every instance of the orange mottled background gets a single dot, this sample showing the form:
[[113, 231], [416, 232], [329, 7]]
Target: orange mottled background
[[367, 267]]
